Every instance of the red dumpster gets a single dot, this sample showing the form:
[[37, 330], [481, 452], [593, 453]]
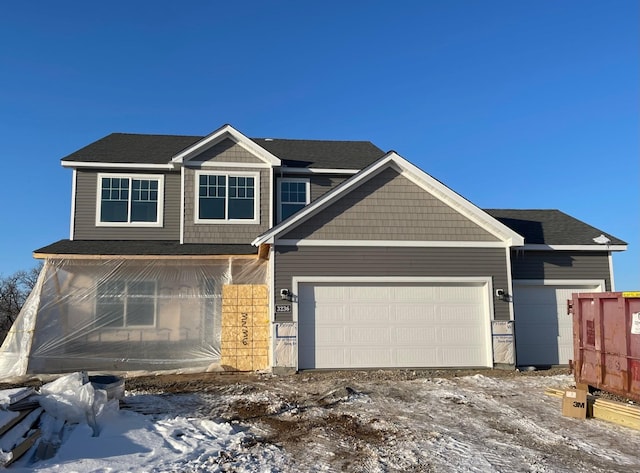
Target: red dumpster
[[606, 341]]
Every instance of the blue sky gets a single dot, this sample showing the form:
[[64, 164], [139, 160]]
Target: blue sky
[[527, 104]]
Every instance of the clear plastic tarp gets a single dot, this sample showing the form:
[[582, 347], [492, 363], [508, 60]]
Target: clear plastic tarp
[[124, 315]]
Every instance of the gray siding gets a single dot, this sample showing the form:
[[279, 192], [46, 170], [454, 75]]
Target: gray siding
[[389, 207], [85, 211], [227, 151], [224, 233], [387, 261], [561, 265]]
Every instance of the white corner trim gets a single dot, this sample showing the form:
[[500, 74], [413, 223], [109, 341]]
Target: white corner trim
[[394, 243], [537, 247], [131, 166], [510, 283], [226, 131], [182, 204], [72, 223], [294, 170], [420, 178], [613, 285]]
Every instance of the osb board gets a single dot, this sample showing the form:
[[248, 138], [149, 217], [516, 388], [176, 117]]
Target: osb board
[[245, 327]]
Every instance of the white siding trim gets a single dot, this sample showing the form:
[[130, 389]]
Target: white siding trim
[[537, 247], [293, 170], [613, 285], [72, 223], [182, 206], [509, 284], [395, 243], [222, 164], [137, 166], [561, 282], [271, 203]]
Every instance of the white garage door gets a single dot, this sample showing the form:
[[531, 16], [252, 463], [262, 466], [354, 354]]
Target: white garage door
[[544, 331], [369, 325]]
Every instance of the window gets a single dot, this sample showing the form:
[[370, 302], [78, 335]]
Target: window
[[223, 197], [126, 304], [293, 195], [134, 200]]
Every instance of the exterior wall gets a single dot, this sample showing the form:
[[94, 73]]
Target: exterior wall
[[390, 261], [224, 232], [227, 151], [561, 265], [389, 207], [85, 210]]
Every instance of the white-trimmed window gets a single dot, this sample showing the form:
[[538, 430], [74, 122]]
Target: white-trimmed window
[[129, 200], [293, 194], [227, 197], [126, 304]]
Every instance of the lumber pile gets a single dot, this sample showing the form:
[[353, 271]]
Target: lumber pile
[[19, 418], [620, 413]]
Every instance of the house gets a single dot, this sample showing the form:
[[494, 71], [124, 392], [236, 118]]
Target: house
[[328, 254]]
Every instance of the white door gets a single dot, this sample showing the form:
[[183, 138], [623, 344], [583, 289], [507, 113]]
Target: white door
[[371, 325], [544, 330]]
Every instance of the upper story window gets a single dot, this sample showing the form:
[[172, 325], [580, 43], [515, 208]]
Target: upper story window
[[223, 197], [129, 200], [293, 194]]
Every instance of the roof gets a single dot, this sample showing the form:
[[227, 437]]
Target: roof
[[160, 149], [550, 227], [142, 247]]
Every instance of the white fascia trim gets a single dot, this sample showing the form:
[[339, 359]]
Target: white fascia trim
[[561, 282], [417, 176], [395, 243], [72, 223], [217, 164], [226, 131], [613, 285], [294, 170], [140, 166], [537, 247]]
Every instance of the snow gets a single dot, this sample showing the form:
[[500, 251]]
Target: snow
[[466, 424]]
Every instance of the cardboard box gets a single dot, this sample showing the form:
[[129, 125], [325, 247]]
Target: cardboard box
[[574, 403]]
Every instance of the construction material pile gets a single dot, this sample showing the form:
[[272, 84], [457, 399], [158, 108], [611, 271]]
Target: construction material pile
[[36, 422]]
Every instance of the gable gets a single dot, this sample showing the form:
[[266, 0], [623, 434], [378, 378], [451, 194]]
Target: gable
[[227, 151], [389, 206]]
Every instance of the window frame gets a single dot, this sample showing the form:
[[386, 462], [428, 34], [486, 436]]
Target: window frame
[[305, 181], [227, 175], [145, 177], [125, 307]]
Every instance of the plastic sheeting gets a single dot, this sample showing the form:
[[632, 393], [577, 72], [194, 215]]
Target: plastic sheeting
[[124, 315]]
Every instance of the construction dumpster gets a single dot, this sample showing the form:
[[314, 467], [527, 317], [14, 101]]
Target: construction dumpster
[[606, 341]]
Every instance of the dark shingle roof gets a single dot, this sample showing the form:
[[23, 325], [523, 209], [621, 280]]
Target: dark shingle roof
[[159, 149], [141, 247], [322, 154], [550, 227]]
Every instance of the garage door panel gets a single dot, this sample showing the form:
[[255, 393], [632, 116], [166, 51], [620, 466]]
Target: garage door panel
[[544, 331], [392, 325]]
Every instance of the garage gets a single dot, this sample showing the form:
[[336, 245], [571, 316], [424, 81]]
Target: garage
[[369, 324], [544, 331]]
